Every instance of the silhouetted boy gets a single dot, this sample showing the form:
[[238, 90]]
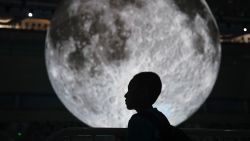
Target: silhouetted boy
[[143, 90], [148, 124]]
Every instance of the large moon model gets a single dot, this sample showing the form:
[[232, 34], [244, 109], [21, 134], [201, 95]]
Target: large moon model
[[94, 47]]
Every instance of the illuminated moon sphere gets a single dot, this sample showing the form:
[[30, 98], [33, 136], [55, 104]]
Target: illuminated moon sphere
[[94, 47]]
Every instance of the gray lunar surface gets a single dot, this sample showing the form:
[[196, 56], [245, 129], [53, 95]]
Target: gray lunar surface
[[94, 47]]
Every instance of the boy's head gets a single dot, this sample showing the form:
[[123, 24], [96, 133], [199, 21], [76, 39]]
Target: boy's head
[[143, 90]]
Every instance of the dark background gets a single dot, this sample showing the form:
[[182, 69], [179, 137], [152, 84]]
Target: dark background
[[29, 108]]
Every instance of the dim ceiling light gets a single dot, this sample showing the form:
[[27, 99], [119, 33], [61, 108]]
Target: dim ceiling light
[[30, 14]]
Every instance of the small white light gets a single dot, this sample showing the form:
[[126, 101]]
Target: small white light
[[245, 29], [30, 14]]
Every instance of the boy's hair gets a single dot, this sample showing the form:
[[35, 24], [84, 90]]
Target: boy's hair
[[149, 80]]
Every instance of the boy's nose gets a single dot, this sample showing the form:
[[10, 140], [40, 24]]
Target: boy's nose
[[126, 94]]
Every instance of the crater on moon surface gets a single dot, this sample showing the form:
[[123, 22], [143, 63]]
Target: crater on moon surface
[[110, 39], [94, 47]]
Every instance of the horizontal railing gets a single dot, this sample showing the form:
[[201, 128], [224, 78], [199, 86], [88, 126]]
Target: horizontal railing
[[119, 134]]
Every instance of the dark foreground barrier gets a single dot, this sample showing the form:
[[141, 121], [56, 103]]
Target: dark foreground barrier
[[88, 134], [118, 134]]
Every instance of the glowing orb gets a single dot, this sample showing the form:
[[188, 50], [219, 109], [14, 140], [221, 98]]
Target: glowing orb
[[94, 47]]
